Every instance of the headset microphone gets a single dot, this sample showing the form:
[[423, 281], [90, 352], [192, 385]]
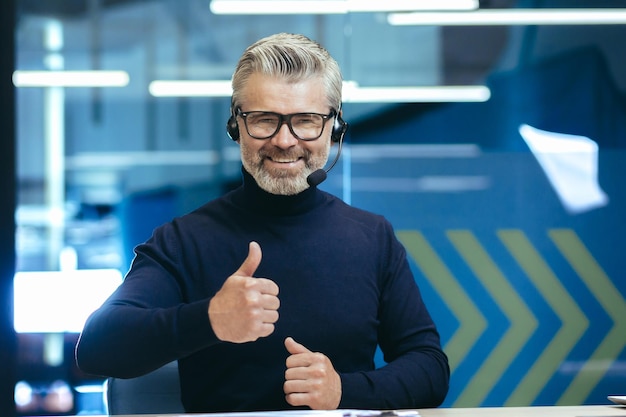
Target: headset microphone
[[318, 176]]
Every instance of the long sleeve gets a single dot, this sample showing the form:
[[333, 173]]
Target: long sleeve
[[416, 374], [147, 322]]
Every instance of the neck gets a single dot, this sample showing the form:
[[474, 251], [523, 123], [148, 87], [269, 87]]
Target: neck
[[261, 201]]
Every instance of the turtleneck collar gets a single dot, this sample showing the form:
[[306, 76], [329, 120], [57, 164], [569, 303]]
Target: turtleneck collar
[[260, 201]]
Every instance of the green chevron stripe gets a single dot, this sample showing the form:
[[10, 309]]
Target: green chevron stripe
[[574, 322], [472, 322], [523, 323], [600, 285]]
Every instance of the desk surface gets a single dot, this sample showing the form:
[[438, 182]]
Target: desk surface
[[556, 411], [563, 411]]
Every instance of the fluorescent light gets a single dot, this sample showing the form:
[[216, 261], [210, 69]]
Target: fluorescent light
[[129, 159], [255, 7], [352, 93], [278, 7], [70, 78], [59, 301], [507, 17], [409, 5], [429, 94], [190, 88]]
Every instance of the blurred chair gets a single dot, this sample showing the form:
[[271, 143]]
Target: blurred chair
[[141, 212], [155, 393]]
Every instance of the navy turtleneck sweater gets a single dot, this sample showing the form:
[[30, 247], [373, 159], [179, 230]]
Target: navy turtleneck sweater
[[345, 288]]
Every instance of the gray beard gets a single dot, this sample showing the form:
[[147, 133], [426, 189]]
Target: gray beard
[[281, 183]]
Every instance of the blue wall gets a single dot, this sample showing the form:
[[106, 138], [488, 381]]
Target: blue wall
[[529, 296]]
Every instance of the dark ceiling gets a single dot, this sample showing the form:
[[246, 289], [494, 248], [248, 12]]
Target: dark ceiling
[[77, 8], [66, 8]]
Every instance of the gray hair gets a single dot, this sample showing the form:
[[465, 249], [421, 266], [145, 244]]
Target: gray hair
[[292, 57]]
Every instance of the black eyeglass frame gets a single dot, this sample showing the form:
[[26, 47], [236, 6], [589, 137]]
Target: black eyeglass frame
[[285, 119]]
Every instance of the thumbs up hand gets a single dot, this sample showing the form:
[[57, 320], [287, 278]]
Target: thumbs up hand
[[245, 308]]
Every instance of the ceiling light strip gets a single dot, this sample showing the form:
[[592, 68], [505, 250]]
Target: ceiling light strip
[[252, 7], [190, 88], [352, 93], [261, 7], [508, 17], [430, 94], [410, 5], [70, 78]]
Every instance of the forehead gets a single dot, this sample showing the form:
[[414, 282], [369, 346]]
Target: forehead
[[277, 94]]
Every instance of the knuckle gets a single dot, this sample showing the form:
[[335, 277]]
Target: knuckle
[[318, 357], [319, 372], [318, 386], [251, 297], [251, 317]]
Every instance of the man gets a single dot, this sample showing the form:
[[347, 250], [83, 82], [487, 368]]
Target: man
[[277, 294]]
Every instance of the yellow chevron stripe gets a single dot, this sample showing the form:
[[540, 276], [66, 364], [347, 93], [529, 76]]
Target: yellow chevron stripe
[[600, 285], [472, 322], [574, 322], [523, 323]]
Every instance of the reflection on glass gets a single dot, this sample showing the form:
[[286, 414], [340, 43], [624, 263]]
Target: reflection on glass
[[571, 164]]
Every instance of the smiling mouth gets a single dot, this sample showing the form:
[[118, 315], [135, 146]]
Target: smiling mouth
[[284, 161]]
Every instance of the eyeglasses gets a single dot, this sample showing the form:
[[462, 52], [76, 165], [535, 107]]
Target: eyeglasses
[[265, 124]]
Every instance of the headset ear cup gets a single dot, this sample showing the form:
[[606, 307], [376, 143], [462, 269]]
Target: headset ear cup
[[232, 128], [339, 129]]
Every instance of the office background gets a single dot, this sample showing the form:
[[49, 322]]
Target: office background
[[507, 192]]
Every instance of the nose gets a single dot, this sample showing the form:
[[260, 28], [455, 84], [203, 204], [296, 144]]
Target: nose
[[284, 139]]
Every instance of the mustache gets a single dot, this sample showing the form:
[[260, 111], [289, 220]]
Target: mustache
[[277, 153]]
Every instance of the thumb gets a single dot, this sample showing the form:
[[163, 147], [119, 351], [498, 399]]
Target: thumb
[[294, 347], [252, 261]]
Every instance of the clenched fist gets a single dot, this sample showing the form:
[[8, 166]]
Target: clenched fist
[[245, 308]]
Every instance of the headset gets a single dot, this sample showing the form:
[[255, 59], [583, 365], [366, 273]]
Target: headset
[[339, 127]]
